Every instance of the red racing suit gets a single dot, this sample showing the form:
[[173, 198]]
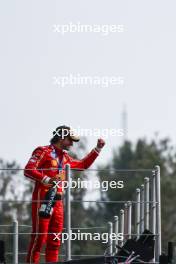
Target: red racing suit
[[46, 158]]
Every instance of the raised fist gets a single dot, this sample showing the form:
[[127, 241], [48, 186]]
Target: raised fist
[[100, 143]]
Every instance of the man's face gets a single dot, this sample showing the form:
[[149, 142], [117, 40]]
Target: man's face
[[66, 143]]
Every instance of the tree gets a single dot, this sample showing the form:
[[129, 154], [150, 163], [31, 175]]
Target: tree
[[143, 155], [13, 190]]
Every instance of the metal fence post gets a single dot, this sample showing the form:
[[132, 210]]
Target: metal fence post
[[153, 209], [116, 231], [68, 213], [15, 241], [158, 212], [125, 221], [142, 210], [137, 212], [146, 203], [129, 212], [110, 241], [153, 205], [121, 226]]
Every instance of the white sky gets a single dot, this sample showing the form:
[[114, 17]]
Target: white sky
[[31, 54]]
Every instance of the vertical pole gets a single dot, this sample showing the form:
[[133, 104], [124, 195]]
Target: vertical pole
[[68, 213], [116, 231], [121, 226], [129, 212], [15, 241], [125, 221], [142, 210], [110, 241], [137, 213], [158, 212], [153, 209], [153, 199], [146, 203]]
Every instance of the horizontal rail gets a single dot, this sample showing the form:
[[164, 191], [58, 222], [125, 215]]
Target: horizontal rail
[[93, 227], [29, 233], [77, 169], [89, 201], [76, 201]]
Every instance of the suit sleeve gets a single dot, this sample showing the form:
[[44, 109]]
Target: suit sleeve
[[31, 169], [84, 163]]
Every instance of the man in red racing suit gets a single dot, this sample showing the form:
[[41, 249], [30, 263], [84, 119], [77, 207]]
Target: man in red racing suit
[[40, 169]]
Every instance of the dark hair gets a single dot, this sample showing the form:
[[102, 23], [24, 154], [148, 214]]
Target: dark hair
[[54, 140], [58, 134]]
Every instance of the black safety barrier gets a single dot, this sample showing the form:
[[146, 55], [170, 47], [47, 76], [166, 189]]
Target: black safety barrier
[[134, 251], [142, 247]]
